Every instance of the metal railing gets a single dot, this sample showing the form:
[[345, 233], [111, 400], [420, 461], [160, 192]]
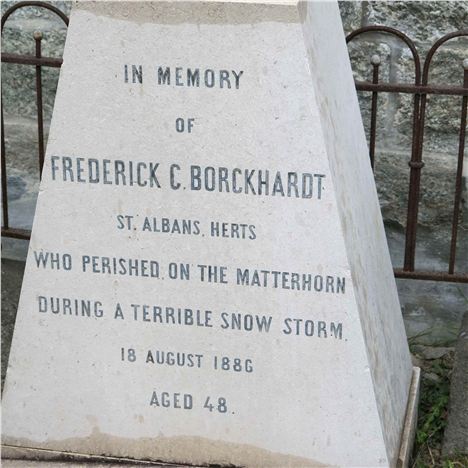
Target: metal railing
[[420, 90], [37, 61]]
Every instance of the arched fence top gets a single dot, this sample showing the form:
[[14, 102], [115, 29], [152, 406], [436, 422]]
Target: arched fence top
[[435, 47], [393, 32], [45, 5], [420, 90], [421, 79]]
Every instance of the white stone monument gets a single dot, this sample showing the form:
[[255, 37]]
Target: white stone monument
[[208, 279]]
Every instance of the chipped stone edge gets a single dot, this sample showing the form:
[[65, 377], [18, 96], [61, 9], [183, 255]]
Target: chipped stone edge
[[12, 452], [411, 418]]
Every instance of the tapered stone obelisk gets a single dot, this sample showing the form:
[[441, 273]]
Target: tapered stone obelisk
[[208, 279]]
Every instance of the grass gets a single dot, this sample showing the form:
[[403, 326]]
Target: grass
[[432, 419]]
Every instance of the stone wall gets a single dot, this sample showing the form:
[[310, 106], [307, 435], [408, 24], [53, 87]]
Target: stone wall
[[431, 309]]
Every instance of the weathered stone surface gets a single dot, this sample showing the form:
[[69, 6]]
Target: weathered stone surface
[[443, 112], [360, 53], [351, 15], [424, 22], [436, 194], [20, 91], [456, 432]]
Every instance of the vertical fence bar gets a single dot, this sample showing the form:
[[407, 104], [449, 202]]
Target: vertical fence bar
[[458, 180], [415, 164], [4, 180], [40, 118], [375, 61]]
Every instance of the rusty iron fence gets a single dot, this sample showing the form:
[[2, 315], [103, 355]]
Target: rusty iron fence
[[37, 61], [420, 90]]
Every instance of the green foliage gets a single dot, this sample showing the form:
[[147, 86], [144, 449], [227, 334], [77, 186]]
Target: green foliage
[[433, 407], [460, 462]]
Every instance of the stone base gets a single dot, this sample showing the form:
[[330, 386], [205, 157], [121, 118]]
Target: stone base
[[11, 453], [411, 419]]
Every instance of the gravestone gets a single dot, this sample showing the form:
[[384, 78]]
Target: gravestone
[[208, 279]]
